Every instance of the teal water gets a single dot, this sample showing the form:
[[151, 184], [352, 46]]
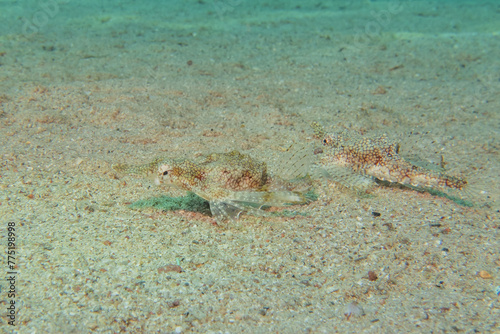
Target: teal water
[[259, 32]]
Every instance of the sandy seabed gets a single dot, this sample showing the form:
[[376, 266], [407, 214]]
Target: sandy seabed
[[92, 86]]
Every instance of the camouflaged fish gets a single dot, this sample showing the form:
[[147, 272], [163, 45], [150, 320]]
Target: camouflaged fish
[[231, 182], [359, 162]]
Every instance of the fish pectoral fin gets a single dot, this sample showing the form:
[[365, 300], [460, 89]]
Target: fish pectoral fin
[[225, 210], [270, 198], [295, 162], [345, 176]]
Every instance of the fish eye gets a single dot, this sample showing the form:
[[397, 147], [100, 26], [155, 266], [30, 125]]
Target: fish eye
[[163, 170]]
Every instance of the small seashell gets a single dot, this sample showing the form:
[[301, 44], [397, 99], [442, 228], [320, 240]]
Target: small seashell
[[485, 275], [353, 309]]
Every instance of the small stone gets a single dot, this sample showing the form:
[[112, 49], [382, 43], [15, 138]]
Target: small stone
[[379, 91], [353, 309], [331, 289], [170, 267], [318, 150], [47, 246], [372, 276], [174, 303], [485, 275]]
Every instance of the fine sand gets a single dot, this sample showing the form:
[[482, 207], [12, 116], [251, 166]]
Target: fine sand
[[84, 85]]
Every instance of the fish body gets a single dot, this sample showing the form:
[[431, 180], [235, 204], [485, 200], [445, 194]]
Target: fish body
[[231, 182], [358, 161]]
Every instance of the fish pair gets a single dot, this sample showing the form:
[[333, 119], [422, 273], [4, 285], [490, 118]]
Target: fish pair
[[234, 182]]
